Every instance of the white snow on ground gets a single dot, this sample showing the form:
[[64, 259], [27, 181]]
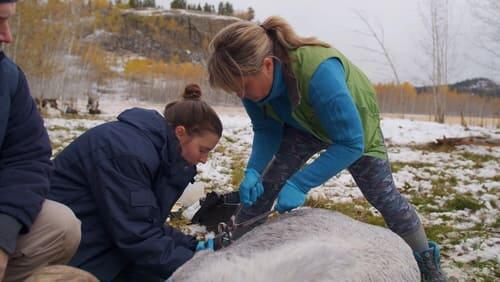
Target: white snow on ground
[[457, 193], [401, 131]]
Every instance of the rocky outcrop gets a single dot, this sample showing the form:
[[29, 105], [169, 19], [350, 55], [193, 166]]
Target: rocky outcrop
[[169, 35]]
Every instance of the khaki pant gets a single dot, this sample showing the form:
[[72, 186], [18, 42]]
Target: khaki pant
[[61, 273], [53, 239]]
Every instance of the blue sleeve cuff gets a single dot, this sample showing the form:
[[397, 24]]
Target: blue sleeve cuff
[[9, 230]]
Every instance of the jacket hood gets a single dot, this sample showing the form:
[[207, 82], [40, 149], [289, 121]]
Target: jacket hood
[[156, 128]]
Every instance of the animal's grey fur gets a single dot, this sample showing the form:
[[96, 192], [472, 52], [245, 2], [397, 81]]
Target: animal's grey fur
[[307, 245]]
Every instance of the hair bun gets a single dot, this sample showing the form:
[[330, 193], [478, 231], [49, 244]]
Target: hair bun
[[192, 92]]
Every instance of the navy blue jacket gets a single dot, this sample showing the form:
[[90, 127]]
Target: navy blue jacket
[[121, 179], [25, 153]]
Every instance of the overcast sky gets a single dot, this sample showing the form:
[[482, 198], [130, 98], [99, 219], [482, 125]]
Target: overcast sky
[[335, 22]]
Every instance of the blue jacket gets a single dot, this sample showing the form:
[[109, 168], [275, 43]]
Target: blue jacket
[[121, 179], [25, 153], [332, 103]]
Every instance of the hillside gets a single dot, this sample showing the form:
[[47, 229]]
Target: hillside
[[480, 86], [168, 35], [475, 86]]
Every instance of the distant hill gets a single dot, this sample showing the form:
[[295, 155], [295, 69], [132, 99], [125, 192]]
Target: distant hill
[[169, 35], [474, 86]]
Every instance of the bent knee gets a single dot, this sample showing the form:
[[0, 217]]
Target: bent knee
[[61, 273], [64, 225]]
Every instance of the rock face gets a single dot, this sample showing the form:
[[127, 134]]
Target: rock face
[[307, 245], [165, 34]]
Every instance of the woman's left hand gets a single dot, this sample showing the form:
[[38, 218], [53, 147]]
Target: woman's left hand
[[205, 245], [290, 197]]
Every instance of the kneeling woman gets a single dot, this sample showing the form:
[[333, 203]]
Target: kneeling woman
[[122, 178]]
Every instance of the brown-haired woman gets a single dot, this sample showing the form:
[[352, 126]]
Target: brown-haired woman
[[304, 96], [122, 178]]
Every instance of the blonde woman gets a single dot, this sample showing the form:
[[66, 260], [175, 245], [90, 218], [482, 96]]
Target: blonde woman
[[304, 96]]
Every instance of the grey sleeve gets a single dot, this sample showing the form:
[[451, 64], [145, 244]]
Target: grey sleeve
[[9, 230]]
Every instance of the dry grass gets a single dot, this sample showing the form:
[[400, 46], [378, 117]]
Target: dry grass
[[470, 121]]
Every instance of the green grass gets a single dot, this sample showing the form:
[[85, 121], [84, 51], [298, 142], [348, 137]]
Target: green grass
[[492, 265], [461, 202], [178, 222], [229, 139], [397, 166], [434, 148], [495, 178], [74, 116], [443, 187], [81, 128], [477, 158], [205, 179], [493, 204], [497, 223], [81, 116], [237, 170], [352, 210], [57, 147], [424, 202], [433, 231], [220, 149], [406, 186], [57, 127], [459, 264]]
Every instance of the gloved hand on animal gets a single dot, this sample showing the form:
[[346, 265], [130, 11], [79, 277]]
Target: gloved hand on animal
[[206, 245], [290, 197], [251, 187]]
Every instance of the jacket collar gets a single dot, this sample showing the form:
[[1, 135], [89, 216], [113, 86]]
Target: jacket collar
[[284, 82], [278, 87]]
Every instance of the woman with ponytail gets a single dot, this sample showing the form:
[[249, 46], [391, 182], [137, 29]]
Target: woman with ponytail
[[122, 178], [304, 96]]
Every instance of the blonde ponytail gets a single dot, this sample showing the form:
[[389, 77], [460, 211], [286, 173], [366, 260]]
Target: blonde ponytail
[[240, 48], [285, 38]]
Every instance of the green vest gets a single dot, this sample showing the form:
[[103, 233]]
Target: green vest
[[304, 61]]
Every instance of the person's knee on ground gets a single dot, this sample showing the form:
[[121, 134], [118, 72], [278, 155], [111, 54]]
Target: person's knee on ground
[[66, 224], [53, 239], [60, 273], [65, 229]]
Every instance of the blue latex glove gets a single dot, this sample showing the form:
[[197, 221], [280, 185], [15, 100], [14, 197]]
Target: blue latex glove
[[290, 197], [207, 245], [251, 187]]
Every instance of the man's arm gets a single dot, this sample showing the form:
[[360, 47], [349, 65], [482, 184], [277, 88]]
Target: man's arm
[[25, 167]]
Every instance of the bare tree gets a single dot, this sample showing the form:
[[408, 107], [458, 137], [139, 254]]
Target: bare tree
[[383, 51], [488, 14], [436, 47]]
